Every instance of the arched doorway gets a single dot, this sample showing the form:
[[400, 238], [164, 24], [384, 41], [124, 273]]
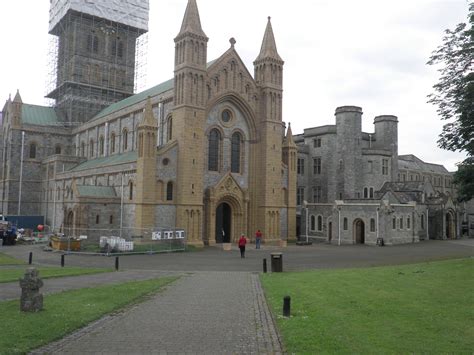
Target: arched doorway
[[450, 226], [359, 231], [223, 223]]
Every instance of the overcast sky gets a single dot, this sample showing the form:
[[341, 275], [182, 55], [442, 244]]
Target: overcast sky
[[368, 53]]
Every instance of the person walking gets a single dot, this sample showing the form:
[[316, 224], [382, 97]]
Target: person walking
[[242, 242], [258, 239]]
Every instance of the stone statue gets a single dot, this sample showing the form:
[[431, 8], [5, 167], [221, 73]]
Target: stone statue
[[31, 299]]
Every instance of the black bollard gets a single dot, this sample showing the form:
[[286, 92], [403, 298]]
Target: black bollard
[[265, 266], [116, 263], [62, 260], [286, 306], [30, 258]]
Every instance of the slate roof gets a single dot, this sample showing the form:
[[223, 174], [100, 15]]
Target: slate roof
[[411, 162], [96, 191], [129, 157], [39, 115]]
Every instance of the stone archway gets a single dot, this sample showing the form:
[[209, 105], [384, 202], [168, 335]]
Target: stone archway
[[358, 229], [450, 225], [69, 223], [223, 230]]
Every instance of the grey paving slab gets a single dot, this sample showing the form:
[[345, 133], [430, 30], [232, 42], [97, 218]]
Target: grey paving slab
[[202, 313]]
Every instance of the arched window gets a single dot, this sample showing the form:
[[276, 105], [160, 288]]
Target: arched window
[[97, 219], [408, 222], [394, 223], [372, 225], [213, 158], [169, 125], [235, 152], [313, 223], [125, 139], [401, 222], [83, 149], [32, 150], [371, 192], [57, 149], [130, 190], [320, 223], [345, 224], [112, 142], [91, 148], [422, 222], [169, 191], [101, 145], [366, 192]]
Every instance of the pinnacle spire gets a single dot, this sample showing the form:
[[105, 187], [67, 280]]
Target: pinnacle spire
[[191, 21], [268, 49], [17, 97], [289, 142], [148, 118]]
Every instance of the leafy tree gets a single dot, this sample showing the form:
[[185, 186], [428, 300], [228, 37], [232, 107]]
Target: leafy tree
[[454, 97]]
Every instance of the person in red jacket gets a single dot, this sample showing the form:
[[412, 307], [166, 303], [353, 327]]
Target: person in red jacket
[[242, 242]]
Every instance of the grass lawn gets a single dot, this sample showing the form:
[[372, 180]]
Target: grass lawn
[[421, 308], [13, 274], [9, 260], [65, 312]]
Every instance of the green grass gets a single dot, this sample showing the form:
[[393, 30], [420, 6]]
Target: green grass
[[13, 274], [65, 312], [422, 308], [9, 260]]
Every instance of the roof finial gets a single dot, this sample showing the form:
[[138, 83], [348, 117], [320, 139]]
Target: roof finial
[[232, 42]]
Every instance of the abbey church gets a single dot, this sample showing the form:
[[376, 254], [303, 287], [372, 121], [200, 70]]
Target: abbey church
[[206, 151]]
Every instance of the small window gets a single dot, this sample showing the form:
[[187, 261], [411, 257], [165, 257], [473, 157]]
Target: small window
[[320, 223], [401, 222], [83, 149], [91, 148], [226, 116], [32, 150], [317, 191], [384, 166], [371, 192], [300, 167], [125, 139], [165, 161], [317, 143], [299, 196], [112, 143], [408, 222], [235, 152], [97, 219], [345, 224], [57, 149], [130, 190], [169, 125], [372, 225], [422, 222], [313, 223], [317, 166], [213, 154], [394, 223], [101, 146], [111, 219], [366, 192], [169, 191]]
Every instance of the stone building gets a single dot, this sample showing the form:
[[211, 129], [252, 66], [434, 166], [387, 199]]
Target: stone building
[[353, 187], [206, 151]]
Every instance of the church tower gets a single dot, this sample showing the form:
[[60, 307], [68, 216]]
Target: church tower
[[269, 77], [95, 55], [188, 119], [146, 170], [290, 156]]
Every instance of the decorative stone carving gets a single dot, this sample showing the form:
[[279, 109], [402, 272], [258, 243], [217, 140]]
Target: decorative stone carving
[[31, 299]]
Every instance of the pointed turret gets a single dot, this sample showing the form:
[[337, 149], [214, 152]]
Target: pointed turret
[[289, 141], [268, 49], [148, 118], [191, 21], [18, 97], [290, 158]]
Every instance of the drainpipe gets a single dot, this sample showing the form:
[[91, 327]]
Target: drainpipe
[[427, 224], [306, 207], [21, 171], [54, 209], [377, 225]]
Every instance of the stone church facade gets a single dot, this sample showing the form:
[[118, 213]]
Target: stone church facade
[[206, 151]]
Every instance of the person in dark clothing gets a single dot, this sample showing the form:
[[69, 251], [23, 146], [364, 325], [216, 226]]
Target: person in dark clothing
[[242, 242]]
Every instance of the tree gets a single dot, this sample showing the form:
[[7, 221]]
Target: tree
[[454, 97]]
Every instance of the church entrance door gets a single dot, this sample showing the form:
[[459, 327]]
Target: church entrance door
[[359, 230], [450, 226], [223, 223]]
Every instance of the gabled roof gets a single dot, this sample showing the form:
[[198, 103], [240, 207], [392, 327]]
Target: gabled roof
[[129, 101], [412, 162], [39, 115], [96, 191], [129, 157]]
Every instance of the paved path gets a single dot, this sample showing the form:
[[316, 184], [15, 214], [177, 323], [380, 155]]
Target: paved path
[[202, 313]]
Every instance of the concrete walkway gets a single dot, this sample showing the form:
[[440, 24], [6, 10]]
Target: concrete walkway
[[202, 313]]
